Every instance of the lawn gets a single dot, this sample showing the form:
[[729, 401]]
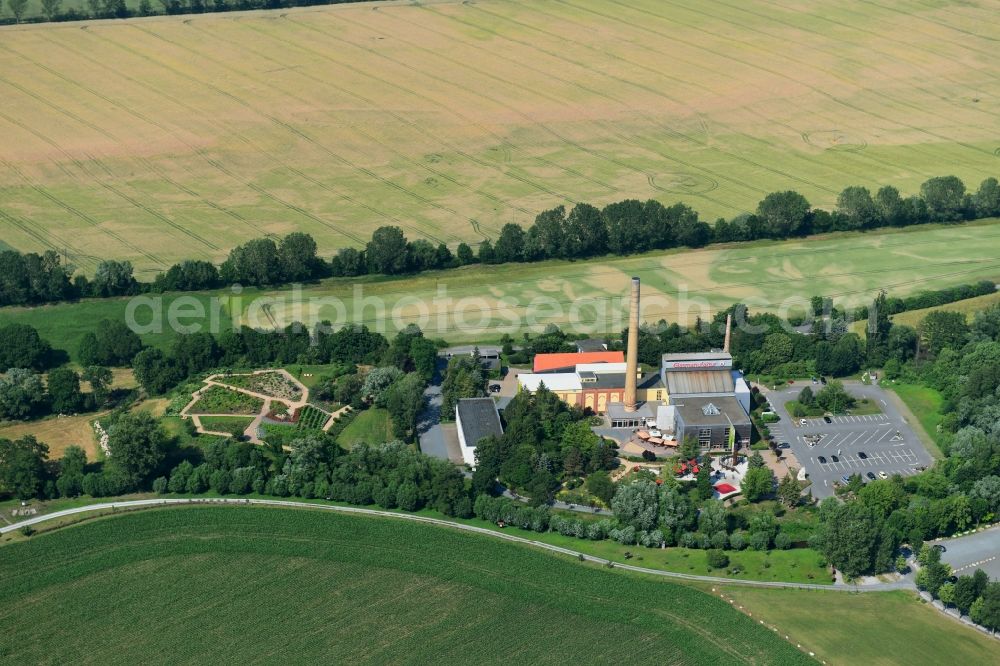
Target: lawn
[[873, 629], [925, 404], [218, 400], [799, 565], [371, 426], [344, 588], [179, 137], [225, 423]]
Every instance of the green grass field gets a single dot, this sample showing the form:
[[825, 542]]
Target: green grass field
[[178, 137], [317, 587], [878, 629], [371, 426], [925, 404]]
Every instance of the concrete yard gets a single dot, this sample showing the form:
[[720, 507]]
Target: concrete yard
[[886, 440]]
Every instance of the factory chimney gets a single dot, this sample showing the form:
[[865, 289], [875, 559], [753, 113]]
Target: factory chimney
[[729, 332], [632, 353]]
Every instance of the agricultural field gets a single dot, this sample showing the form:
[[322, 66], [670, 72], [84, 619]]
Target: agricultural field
[[878, 629], [372, 426], [218, 400], [58, 432], [179, 137], [424, 593]]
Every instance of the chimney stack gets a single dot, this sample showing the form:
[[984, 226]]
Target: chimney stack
[[729, 332], [632, 353]]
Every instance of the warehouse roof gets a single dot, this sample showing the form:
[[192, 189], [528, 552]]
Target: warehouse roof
[[700, 382], [556, 381], [550, 362], [478, 418]]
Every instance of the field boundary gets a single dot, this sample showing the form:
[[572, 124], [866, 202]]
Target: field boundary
[[153, 503]]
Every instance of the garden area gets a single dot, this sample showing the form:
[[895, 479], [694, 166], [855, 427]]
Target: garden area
[[272, 384], [227, 424], [219, 400], [311, 418]]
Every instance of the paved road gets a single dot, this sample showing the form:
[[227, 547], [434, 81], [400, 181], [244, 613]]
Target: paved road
[[976, 551], [887, 441], [432, 438], [139, 504]]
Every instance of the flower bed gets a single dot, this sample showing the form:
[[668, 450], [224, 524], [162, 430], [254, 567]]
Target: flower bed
[[273, 384]]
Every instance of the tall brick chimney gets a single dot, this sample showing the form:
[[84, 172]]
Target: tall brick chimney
[[632, 353], [729, 332]]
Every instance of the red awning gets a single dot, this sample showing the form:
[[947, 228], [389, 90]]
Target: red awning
[[725, 489]]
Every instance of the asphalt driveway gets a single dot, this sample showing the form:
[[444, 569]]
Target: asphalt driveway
[[849, 444]]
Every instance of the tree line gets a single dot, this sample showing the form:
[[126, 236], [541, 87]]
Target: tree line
[[52, 10], [621, 228]]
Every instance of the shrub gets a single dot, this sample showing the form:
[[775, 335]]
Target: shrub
[[717, 559], [782, 541]]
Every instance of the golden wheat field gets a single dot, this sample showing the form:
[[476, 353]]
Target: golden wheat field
[[179, 137]]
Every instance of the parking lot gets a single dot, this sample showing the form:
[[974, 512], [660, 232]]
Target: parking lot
[[849, 444]]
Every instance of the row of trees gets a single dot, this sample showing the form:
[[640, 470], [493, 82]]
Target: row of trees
[[138, 447], [620, 228], [52, 10]]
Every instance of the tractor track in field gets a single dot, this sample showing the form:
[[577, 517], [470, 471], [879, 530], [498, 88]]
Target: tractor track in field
[[218, 165], [375, 140], [757, 46], [303, 136], [542, 126]]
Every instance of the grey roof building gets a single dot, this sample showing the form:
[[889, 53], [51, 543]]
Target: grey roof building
[[476, 418], [590, 345], [709, 419]]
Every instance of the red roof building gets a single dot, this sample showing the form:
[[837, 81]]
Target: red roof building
[[568, 362]]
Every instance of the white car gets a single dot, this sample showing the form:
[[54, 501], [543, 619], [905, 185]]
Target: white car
[[883, 475], [803, 422], [655, 433]]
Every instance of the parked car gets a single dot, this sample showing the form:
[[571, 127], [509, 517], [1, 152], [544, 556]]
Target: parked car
[[939, 548], [834, 458], [870, 476], [862, 455], [846, 478], [784, 445], [495, 388], [821, 460], [828, 419], [883, 475]]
